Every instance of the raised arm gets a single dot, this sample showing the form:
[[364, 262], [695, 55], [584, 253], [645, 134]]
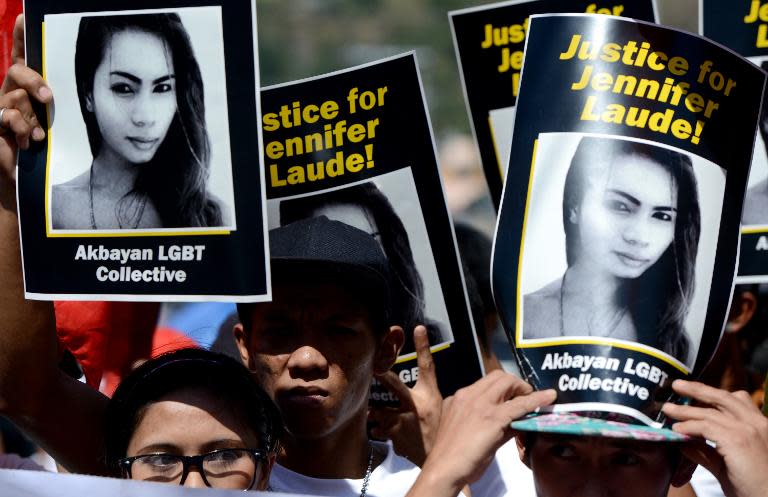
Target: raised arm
[[63, 415], [474, 424]]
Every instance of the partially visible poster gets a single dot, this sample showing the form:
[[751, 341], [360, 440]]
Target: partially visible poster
[[617, 239], [149, 186], [356, 146], [25, 483], [9, 9], [489, 42], [743, 26]]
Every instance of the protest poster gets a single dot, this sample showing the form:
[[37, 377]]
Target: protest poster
[[489, 42], [25, 483], [356, 146], [617, 239], [149, 185], [743, 26]]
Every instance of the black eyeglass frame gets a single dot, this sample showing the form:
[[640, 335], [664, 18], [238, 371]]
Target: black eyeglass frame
[[196, 461]]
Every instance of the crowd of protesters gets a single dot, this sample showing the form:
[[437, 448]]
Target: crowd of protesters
[[292, 414]]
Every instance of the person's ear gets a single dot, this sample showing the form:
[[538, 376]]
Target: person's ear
[[89, 102], [388, 350], [573, 215], [241, 339], [742, 311], [683, 472], [525, 456]]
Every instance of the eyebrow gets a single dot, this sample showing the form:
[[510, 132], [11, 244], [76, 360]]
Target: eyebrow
[[635, 201], [133, 78]]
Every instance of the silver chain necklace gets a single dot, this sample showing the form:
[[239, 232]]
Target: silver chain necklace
[[364, 489]]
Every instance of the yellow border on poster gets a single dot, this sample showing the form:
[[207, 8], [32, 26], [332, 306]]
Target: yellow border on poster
[[567, 341], [127, 234]]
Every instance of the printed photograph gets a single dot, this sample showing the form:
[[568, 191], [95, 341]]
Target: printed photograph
[[140, 127], [756, 201], [388, 209], [619, 243]]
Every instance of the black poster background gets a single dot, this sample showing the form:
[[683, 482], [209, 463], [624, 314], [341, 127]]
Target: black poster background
[[234, 266], [403, 140], [738, 26], [485, 88], [547, 104]]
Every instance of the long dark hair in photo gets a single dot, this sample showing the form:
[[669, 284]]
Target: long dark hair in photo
[[408, 298], [175, 178], [658, 300]]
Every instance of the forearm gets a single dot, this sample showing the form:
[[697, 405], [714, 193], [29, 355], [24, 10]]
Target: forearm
[[64, 416], [432, 482]]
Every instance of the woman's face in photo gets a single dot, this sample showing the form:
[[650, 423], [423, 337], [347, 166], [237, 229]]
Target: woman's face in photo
[[626, 219], [134, 96]]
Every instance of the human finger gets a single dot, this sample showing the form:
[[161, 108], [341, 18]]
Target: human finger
[[519, 406], [17, 53], [13, 123], [424, 358], [714, 431], [505, 386], [686, 413], [706, 394], [394, 384], [19, 100], [20, 76]]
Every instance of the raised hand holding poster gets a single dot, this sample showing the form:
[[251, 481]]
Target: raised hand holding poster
[[150, 185], [617, 240]]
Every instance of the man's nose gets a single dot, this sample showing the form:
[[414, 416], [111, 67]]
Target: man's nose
[[308, 362]]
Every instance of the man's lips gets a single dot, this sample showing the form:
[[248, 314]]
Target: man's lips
[[631, 260], [304, 396]]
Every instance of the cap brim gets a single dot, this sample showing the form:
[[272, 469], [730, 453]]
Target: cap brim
[[574, 424]]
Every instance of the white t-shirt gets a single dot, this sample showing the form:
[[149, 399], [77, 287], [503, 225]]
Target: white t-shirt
[[705, 484], [392, 478], [14, 461], [506, 476]]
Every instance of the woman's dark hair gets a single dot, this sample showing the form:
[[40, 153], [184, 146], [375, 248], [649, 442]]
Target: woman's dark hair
[[217, 375], [175, 178], [659, 299], [407, 307]]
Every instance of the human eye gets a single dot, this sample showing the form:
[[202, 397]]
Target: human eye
[[663, 216], [121, 89], [342, 330], [163, 88], [626, 458], [617, 205], [563, 451], [160, 462], [226, 457]]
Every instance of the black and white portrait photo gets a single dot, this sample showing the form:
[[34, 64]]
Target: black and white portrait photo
[[140, 127], [388, 209], [619, 244], [756, 201]]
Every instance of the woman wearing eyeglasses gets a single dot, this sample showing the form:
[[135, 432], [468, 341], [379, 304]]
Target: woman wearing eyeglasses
[[193, 418]]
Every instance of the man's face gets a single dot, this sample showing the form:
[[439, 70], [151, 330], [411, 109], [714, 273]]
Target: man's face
[[315, 352], [575, 466]]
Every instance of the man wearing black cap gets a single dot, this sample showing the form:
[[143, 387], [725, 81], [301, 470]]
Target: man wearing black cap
[[316, 348]]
